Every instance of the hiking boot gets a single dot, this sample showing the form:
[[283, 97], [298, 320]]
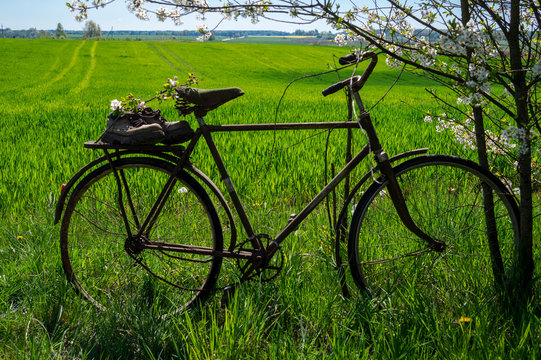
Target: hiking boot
[[129, 129], [175, 131]]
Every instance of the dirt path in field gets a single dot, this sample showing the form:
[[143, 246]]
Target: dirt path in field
[[45, 84], [162, 55], [72, 63], [164, 58], [182, 61], [84, 82]]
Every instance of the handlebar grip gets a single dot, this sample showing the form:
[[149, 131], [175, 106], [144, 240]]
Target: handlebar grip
[[354, 58], [333, 88], [357, 82], [348, 59], [340, 85]]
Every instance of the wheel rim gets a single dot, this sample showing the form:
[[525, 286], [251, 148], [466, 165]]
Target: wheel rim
[[446, 202], [111, 269]]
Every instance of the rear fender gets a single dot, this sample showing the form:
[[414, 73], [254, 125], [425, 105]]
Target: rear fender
[[66, 189]]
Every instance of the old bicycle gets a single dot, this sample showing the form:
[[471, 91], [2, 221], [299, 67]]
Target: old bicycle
[[142, 219]]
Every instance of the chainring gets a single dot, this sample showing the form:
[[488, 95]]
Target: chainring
[[269, 269]]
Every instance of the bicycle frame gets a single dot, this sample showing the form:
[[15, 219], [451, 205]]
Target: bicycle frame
[[260, 252], [204, 131]]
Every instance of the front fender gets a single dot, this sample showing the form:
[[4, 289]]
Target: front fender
[[341, 226]]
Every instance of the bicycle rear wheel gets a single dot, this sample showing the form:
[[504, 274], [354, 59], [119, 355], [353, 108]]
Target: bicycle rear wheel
[[112, 270], [445, 199]]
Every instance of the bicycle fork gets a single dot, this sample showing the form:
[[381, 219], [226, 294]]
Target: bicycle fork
[[393, 187], [400, 203]]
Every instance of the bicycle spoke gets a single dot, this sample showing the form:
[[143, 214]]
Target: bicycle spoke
[[444, 198], [116, 271]]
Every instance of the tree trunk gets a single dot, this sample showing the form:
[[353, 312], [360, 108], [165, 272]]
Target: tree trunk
[[525, 265], [498, 269]]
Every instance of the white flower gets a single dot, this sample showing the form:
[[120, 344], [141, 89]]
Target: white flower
[[134, 5], [141, 14], [161, 13], [116, 105], [340, 39], [392, 62], [464, 100], [519, 135], [182, 190], [175, 15], [202, 28]]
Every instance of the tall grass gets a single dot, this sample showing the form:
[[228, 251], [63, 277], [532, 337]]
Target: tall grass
[[55, 96]]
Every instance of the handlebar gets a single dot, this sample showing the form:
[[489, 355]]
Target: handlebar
[[356, 82], [348, 59]]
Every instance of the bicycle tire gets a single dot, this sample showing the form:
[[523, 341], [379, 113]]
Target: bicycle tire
[[444, 198], [94, 247]]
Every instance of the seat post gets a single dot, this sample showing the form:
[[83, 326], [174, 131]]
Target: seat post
[[200, 120]]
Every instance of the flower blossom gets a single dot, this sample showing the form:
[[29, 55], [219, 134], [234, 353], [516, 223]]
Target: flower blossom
[[142, 14], [116, 105], [173, 82], [161, 13], [340, 39], [175, 15], [202, 28], [519, 135]]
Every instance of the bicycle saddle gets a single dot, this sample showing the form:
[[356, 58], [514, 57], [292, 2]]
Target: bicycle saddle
[[208, 99]]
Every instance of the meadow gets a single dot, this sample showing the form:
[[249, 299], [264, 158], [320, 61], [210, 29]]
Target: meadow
[[55, 96]]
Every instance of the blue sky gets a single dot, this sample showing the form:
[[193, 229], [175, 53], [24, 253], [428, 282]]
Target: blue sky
[[46, 14]]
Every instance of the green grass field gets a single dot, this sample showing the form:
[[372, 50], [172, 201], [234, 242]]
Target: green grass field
[[55, 96]]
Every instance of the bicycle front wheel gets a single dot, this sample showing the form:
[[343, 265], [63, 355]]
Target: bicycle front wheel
[[115, 271], [445, 199]]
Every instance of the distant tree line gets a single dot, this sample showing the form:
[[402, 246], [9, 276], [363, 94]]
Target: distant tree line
[[31, 33], [92, 30]]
